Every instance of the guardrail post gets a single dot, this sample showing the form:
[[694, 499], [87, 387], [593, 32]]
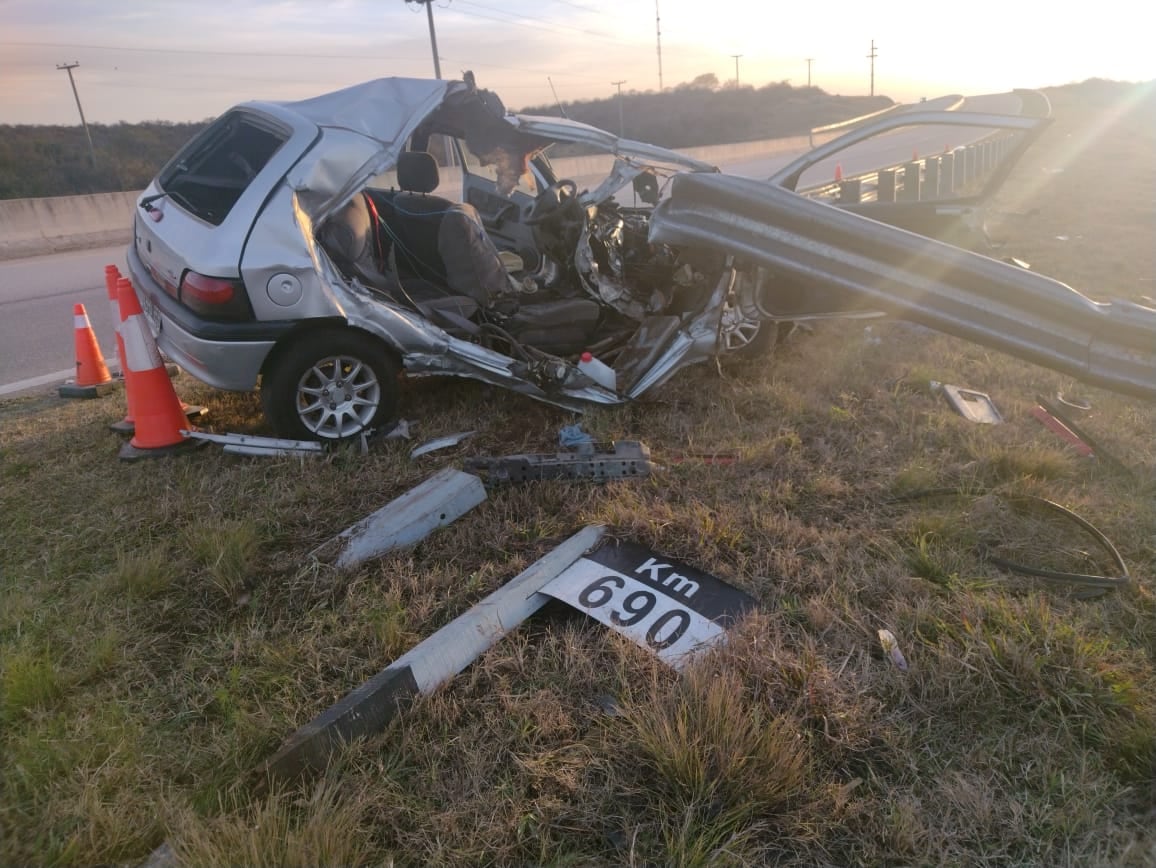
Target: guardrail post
[[969, 164], [851, 191], [885, 188], [947, 175], [985, 155], [931, 178], [911, 185]]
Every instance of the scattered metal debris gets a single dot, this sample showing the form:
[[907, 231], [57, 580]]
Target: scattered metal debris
[[1062, 431], [971, 405], [249, 444], [1074, 402], [440, 443], [1102, 455], [437, 502], [399, 430], [627, 459], [1089, 586], [891, 648]]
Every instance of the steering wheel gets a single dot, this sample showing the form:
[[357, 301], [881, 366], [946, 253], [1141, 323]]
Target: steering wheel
[[549, 200]]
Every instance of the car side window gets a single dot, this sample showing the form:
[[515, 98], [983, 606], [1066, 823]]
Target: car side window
[[449, 170]]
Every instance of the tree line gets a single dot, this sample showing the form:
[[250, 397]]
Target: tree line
[[55, 160]]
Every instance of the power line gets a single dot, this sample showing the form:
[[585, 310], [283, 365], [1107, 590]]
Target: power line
[[246, 53], [527, 21], [576, 5], [294, 55], [873, 55], [736, 57], [809, 62]]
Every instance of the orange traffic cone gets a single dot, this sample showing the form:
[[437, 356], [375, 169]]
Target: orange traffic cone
[[92, 376], [111, 276], [152, 402], [127, 425], [838, 172]]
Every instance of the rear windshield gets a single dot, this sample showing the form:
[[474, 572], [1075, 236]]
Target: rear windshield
[[214, 169]]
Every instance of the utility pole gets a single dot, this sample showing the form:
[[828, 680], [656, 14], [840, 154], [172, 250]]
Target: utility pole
[[736, 57], [433, 39], [658, 34], [619, 84], [68, 67], [873, 55], [809, 61]]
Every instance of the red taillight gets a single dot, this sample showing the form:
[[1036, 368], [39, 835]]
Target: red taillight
[[215, 298], [208, 290]]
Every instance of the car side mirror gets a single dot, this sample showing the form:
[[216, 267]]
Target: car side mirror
[[646, 188]]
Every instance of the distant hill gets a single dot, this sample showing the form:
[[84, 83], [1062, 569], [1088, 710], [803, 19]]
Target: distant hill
[[701, 113], [54, 160]]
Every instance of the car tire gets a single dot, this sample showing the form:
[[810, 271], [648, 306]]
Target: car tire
[[330, 385], [765, 340]]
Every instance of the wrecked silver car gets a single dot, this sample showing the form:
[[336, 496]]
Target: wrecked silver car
[[320, 247]]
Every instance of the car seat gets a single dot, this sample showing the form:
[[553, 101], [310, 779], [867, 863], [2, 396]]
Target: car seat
[[437, 240], [361, 249]]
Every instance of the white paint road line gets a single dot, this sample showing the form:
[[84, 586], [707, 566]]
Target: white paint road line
[[59, 377]]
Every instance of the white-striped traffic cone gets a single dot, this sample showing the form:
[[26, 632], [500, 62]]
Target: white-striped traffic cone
[[152, 402]]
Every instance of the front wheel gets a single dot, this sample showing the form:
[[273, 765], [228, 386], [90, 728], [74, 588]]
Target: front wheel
[[330, 385]]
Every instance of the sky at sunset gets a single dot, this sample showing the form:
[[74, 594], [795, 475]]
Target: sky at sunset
[[181, 60]]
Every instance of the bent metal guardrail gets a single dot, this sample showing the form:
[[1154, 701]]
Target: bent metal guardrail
[[955, 172], [827, 253]]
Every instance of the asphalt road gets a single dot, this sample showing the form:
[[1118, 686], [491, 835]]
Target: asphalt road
[[37, 294], [36, 299]]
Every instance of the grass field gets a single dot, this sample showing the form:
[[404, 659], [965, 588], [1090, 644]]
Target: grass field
[[162, 627]]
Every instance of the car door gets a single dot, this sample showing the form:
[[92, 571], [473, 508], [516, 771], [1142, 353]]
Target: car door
[[930, 172]]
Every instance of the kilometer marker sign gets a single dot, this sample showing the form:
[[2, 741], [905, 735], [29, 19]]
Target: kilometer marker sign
[[664, 606]]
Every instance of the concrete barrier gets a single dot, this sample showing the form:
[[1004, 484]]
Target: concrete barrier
[[32, 227], [35, 227]]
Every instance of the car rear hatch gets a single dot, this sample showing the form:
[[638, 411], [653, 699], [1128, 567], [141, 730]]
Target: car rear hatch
[[192, 222]]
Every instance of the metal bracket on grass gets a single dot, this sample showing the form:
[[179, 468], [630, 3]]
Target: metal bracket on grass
[[972, 405], [440, 443], [627, 459], [248, 444], [406, 521], [429, 664]]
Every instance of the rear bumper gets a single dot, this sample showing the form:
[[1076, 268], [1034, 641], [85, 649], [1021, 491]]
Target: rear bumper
[[225, 355]]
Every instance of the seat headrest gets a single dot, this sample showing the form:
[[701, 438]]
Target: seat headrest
[[348, 233], [417, 172]]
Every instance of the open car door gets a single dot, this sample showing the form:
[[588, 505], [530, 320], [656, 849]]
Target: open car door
[[930, 172]]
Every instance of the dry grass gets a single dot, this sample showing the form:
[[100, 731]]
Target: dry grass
[[162, 629]]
